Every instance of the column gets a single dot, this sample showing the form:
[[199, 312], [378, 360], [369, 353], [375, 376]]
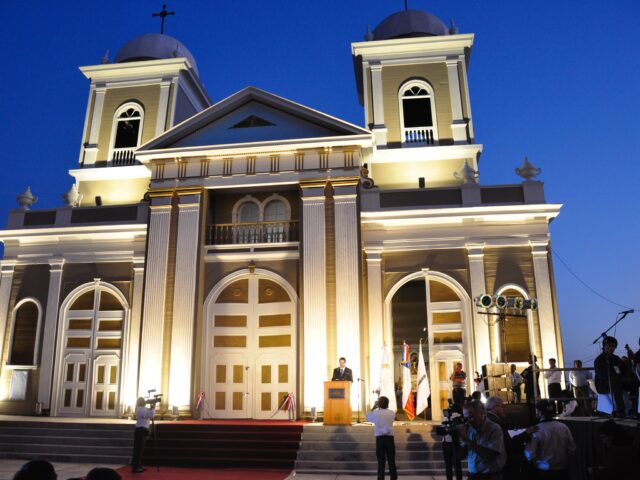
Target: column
[[480, 322], [458, 124], [154, 294], [163, 106], [376, 322], [545, 302], [91, 145], [184, 300], [379, 128], [50, 331], [133, 357], [347, 258], [7, 270], [314, 294]]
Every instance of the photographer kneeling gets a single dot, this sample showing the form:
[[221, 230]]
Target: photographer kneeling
[[483, 438], [143, 417]]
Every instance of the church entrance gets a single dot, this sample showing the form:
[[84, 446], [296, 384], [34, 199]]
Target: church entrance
[[250, 364], [89, 371], [433, 307]]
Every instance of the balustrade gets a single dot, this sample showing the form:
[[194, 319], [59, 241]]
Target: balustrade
[[258, 232]]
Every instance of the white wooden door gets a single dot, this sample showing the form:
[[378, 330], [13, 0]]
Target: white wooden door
[[106, 381], [74, 384]]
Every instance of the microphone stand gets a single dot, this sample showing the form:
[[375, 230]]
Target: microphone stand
[[359, 388], [621, 316]]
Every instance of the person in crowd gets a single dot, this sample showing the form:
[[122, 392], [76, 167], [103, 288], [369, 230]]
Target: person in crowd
[[570, 408], [553, 376], [141, 432], [476, 396], [579, 380], [484, 442], [103, 473], [630, 386], [514, 446], [382, 419], [478, 383], [551, 447], [36, 470], [621, 459], [609, 374], [531, 386], [516, 383], [342, 372], [459, 381]]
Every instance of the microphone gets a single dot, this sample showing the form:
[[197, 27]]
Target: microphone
[[627, 312]]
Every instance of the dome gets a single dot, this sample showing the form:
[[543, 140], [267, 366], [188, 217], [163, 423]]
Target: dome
[[154, 46], [409, 23]]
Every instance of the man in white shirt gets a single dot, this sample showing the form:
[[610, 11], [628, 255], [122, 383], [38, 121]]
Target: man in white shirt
[[554, 379], [579, 380], [551, 446], [516, 383], [382, 419], [143, 418]]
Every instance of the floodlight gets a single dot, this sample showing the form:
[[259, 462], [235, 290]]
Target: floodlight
[[501, 302], [484, 301]]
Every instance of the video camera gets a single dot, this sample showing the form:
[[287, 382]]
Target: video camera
[[153, 398], [452, 420]]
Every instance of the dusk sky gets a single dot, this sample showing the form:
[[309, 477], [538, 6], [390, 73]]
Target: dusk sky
[[555, 80]]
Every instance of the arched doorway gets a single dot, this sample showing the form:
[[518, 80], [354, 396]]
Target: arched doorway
[[91, 338], [432, 306], [250, 351]]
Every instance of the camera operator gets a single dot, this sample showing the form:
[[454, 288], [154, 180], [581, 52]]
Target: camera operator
[[382, 419], [483, 438], [143, 418]]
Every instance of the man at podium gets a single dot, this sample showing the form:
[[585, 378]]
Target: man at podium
[[342, 373]]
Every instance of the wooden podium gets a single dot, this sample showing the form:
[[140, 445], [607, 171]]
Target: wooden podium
[[337, 404]]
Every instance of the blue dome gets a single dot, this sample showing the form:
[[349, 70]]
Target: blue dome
[[409, 23], [154, 46]]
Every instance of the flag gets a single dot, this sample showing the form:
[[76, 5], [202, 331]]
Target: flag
[[407, 394], [387, 387], [423, 385]]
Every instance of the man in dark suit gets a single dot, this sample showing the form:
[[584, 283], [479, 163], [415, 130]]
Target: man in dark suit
[[342, 373]]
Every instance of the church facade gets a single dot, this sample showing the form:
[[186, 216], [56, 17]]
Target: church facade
[[233, 251]]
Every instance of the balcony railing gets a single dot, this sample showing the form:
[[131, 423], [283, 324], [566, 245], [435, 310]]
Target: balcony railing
[[122, 157], [259, 232], [418, 135]]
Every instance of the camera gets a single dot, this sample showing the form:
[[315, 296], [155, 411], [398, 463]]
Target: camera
[[452, 420], [153, 398]]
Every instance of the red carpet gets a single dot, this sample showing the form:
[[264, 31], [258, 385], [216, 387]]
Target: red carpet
[[175, 473], [247, 422]]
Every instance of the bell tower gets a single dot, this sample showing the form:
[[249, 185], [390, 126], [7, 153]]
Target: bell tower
[[411, 73], [152, 85]]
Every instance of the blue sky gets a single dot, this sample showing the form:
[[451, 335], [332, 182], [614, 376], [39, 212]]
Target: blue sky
[[554, 80]]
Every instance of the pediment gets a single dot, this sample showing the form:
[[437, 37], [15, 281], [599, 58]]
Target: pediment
[[252, 116]]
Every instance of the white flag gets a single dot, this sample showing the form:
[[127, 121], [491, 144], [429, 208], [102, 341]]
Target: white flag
[[423, 385], [387, 386]]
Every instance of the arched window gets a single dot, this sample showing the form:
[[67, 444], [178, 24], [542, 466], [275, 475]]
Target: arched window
[[126, 133], [24, 335], [418, 113], [249, 212], [258, 222]]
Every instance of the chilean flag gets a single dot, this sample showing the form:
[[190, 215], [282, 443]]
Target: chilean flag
[[407, 394]]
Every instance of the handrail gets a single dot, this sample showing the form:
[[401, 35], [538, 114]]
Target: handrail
[[278, 231]]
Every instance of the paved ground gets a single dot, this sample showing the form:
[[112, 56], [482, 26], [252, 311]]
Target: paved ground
[[312, 476]]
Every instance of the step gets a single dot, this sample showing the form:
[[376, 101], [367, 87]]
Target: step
[[45, 449], [369, 466], [70, 458], [369, 455], [367, 445], [58, 440]]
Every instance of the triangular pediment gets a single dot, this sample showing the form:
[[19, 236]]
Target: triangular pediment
[[252, 116]]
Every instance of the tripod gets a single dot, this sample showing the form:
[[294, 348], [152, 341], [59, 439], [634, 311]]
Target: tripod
[[154, 432], [452, 460], [359, 388]]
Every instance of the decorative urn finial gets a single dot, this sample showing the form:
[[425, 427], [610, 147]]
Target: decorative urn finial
[[72, 198], [368, 36], [467, 174], [527, 170], [26, 199], [105, 58]]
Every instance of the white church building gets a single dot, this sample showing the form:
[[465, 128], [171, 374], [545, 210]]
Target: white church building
[[239, 248]]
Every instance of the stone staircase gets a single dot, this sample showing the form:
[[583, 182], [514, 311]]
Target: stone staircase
[[352, 450], [99, 443]]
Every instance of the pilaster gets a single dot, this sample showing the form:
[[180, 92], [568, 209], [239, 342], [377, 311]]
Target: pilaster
[[133, 357], [376, 326], [347, 255], [154, 294], [539, 251], [458, 124], [379, 128], [314, 293], [91, 145], [163, 106], [7, 269], [475, 255], [50, 330], [184, 300]]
